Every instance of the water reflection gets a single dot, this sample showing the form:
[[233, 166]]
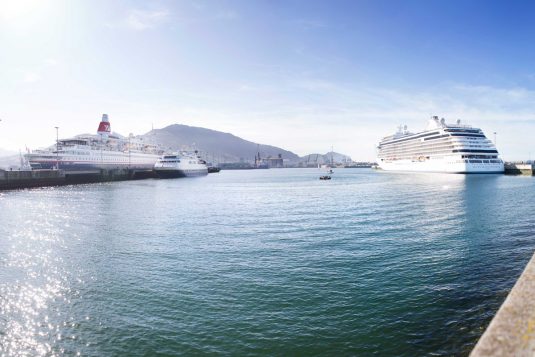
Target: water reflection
[[34, 278]]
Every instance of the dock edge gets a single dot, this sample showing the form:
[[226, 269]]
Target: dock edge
[[512, 331]]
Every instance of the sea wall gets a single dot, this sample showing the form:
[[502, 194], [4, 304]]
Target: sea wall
[[38, 178], [512, 331], [106, 175], [10, 180]]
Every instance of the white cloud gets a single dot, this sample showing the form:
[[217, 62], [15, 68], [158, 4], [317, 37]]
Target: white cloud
[[309, 115], [51, 62], [36, 73], [31, 77], [145, 19], [453, 100]]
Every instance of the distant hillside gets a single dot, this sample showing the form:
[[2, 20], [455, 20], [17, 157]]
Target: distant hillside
[[214, 144], [325, 158], [9, 161], [4, 152]]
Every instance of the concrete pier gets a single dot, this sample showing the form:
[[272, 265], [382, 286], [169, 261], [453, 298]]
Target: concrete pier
[[106, 175], [513, 168], [512, 331], [11, 180]]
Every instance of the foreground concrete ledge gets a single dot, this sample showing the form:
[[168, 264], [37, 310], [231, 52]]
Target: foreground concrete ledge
[[512, 331]]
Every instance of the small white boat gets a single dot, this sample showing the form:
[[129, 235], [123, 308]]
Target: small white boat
[[180, 165]]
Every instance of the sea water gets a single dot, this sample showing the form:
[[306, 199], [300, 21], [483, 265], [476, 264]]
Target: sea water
[[263, 262]]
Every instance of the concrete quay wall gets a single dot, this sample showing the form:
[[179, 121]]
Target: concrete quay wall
[[11, 180], [512, 331], [512, 168]]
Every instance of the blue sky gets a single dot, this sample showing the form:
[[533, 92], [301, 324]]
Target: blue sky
[[303, 75]]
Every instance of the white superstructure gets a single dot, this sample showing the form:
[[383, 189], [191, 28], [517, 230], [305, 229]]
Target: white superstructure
[[88, 152], [442, 147], [180, 165]]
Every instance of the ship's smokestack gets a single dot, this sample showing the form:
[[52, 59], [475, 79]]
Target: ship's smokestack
[[104, 128]]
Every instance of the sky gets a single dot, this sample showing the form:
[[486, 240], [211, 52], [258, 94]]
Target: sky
[[302, 75]]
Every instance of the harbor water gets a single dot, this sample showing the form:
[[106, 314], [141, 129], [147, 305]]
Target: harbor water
[[263, 262]]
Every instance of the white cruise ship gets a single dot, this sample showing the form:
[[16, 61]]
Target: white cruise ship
[[88, 152], [442, 147], [180, 165]]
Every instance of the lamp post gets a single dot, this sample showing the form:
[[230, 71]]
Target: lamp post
[[494, 138], [57, 147]]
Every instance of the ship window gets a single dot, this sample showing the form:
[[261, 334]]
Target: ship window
[[469, 135]]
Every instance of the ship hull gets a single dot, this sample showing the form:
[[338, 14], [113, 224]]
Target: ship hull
[[70, 166], [176, 173], [443, 166]]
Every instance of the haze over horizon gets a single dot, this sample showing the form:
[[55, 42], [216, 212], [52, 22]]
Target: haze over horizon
[[300, 75]]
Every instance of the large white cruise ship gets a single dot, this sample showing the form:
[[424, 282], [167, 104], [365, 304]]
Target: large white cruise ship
[[88, 152], [442, 147]]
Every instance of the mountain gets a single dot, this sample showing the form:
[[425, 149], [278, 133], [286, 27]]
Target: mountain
[[4, 152], [215, 145], [8, 159]]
